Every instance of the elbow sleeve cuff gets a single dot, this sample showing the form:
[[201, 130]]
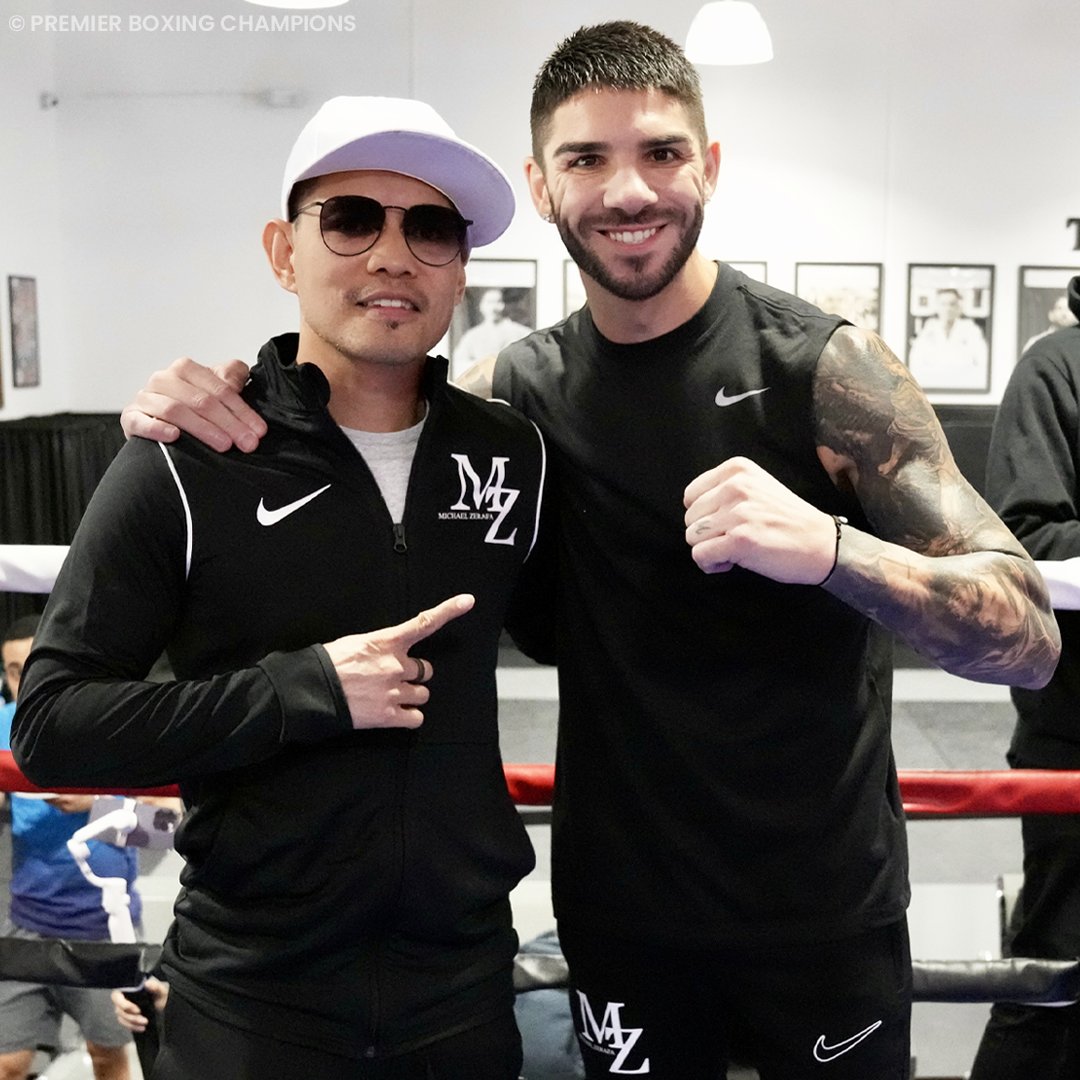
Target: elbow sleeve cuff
[[309, 695]]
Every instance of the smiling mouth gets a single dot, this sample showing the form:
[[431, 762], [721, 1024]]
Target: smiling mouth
[[631, 236], [390, 304]]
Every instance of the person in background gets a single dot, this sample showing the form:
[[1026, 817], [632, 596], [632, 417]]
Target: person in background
[[349, 840], [494, 332], [1059, 315], [1033, 479], [50, 898], [950, 350], [750, 498], [128, 1013]]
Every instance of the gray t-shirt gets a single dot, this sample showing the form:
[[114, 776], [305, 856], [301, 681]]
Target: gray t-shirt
[[389, 456]]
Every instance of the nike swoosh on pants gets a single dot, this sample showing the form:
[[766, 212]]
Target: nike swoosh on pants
[[825, 1053]]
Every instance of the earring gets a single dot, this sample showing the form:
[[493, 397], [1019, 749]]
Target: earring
[[549, 218]]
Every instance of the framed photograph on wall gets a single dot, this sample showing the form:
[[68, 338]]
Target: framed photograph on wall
[[499, 306], [22, 297], [1042, 303], [949, 318], [852, 290], [573, 292], [756, 270]]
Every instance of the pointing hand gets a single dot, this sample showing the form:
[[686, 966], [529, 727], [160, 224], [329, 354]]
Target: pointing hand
[[383, 684]]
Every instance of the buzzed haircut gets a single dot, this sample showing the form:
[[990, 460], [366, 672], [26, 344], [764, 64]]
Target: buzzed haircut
[[619, 55]]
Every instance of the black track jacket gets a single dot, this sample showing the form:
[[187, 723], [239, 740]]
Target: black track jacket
[[342, 889]]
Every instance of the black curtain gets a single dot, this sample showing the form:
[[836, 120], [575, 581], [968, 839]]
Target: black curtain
[[49, 467], [968, 427]]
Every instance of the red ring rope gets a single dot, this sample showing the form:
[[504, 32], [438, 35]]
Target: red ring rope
[[925, 792]]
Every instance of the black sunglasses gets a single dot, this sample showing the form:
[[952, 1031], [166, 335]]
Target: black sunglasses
[[351, 224]]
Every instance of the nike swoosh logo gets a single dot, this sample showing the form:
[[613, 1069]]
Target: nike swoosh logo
[[272, 517], [824, 1053], [723, 399]]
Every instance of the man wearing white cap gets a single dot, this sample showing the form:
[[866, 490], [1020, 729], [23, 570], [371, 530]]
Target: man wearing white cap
[[350, 843]]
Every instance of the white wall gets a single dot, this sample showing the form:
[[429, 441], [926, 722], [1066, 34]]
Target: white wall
[[29, 195], [916, 131]]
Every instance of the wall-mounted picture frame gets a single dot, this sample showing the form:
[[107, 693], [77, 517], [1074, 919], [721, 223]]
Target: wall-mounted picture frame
[[573, 292], [1042, 303], [851, 290], [757, 270], [499, 307], [949, 319], [25, 361]]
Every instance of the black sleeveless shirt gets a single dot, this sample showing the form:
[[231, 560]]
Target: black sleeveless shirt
[[724, 768]]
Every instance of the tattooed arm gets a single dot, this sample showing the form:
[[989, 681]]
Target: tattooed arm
[[943, 572]]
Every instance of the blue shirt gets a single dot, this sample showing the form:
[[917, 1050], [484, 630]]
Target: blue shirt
[[49, 894]]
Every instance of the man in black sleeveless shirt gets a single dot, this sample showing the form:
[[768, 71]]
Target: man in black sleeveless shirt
[[748, 494]]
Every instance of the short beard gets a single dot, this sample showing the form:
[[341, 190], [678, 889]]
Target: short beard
[[638, 287]]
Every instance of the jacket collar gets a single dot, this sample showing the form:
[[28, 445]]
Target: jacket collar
[[282, 388]]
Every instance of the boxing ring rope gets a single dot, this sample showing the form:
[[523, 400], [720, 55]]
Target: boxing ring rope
[[926, 794]]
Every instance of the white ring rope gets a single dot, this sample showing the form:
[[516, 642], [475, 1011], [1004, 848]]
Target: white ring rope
[[32, 568]]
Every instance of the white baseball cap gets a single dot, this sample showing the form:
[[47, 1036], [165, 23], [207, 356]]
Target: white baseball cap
[[409, 137]]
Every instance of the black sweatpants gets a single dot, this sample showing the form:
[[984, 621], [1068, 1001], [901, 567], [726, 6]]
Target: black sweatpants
[[836, 1010]]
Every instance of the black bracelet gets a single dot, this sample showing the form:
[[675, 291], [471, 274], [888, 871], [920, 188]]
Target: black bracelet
[[837, 521]]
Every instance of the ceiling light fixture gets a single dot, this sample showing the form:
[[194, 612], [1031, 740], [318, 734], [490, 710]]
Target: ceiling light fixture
[[728, 32]]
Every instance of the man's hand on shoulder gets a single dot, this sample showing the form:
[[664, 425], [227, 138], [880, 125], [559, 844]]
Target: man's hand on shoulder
[[201, 401]]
